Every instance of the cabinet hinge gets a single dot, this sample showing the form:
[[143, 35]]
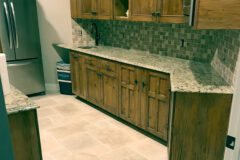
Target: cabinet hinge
[[230, 142]]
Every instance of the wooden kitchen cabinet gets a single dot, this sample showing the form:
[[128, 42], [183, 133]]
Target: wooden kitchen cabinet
[[93, 80], [92, 9], [129, 106], [136, 95], [142, 10], [109, 86], [156, 89], [216, 14], [157, 10], [77, 74]]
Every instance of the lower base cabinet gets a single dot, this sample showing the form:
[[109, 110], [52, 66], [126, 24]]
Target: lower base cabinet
[[137, 95], [25, 135]]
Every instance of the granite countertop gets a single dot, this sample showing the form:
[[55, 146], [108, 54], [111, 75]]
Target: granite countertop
[[185, 75], [17, 102]]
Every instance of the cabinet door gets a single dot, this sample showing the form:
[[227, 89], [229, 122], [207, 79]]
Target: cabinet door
[[141, 10], [105, 9], [73, 4], [93, 85], [157, 104], [129, 107], [77, 74], [110, 86], [170, 11], [86, 8], [110, 93]]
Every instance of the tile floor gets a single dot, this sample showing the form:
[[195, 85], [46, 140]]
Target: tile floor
[[73, 130]]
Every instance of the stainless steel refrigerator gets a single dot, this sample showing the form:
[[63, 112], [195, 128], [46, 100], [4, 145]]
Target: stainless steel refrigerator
[[21, 43]]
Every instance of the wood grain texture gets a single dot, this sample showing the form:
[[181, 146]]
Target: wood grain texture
[[217, 14], [77, 74], [1, 51], [200, 123], [25, 135], [129, 107], [141, 10], [157, 103], [105, 9]]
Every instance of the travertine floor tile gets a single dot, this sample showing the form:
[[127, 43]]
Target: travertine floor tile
[[73, 130]]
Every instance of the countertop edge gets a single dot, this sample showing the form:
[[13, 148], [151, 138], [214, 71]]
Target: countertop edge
[[229, 89]]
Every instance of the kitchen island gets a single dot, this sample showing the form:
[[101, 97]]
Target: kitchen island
[[185, 103], [23, 123]]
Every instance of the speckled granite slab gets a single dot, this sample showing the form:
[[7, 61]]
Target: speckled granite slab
[[16, 102], [185, 75]]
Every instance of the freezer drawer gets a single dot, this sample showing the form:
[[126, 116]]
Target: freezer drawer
[[27, 76]]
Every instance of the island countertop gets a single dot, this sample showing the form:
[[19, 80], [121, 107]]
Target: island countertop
[[185, 75], [17, 102]]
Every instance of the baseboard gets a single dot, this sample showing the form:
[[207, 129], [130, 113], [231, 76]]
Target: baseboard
[[52, 88]]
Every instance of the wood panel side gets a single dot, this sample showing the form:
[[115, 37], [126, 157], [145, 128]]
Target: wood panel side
[[25, 136], [218, 14], [200, 124], [1, 51]]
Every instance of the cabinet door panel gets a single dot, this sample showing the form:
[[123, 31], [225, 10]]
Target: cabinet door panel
[[105, 9], [77, 74], [171, 11], [85, 8], [142, 10], [157, 104], [110, 93], [129, 108], [73, 4], [94, 86]]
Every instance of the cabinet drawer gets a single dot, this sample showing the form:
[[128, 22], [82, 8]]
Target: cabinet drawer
[[92, 61], [109, 66]]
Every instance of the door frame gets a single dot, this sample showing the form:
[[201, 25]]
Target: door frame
[[234, 122]]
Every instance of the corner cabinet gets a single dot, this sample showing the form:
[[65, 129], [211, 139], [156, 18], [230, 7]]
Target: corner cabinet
[[137, 95]]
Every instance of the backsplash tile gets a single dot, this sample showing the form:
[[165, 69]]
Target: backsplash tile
[[157, 38], [226, 46], [218, 47]]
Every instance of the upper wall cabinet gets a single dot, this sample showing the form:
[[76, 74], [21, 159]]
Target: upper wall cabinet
[[92, 9], [157, 10], [215, 14], [135, 10]]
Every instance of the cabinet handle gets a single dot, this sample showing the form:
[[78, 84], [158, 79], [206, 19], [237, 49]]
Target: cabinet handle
[[158, 14], [75, 57], [143, 84], [99, 74], [94, 13], [89, 60], [107, 65], [154, 14], [136, 82]]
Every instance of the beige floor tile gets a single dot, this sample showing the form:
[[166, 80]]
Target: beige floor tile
[[123, 154], [77, 142], [73, 130]]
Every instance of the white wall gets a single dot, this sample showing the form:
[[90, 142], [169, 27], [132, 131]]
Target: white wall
[[234, 125], [55, 27]]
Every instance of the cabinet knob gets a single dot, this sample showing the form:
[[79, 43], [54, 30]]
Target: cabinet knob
[[154, 14], [158, 14], [136, 82], [94, 13], [143, 84], [99, 74], [107, 65]]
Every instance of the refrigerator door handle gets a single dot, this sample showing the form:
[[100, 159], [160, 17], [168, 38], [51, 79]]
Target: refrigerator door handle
[[15, 24], [19, 64], [9, 25]]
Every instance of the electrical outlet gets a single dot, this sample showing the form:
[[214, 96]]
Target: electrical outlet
[[80, 33], [182, 43]]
